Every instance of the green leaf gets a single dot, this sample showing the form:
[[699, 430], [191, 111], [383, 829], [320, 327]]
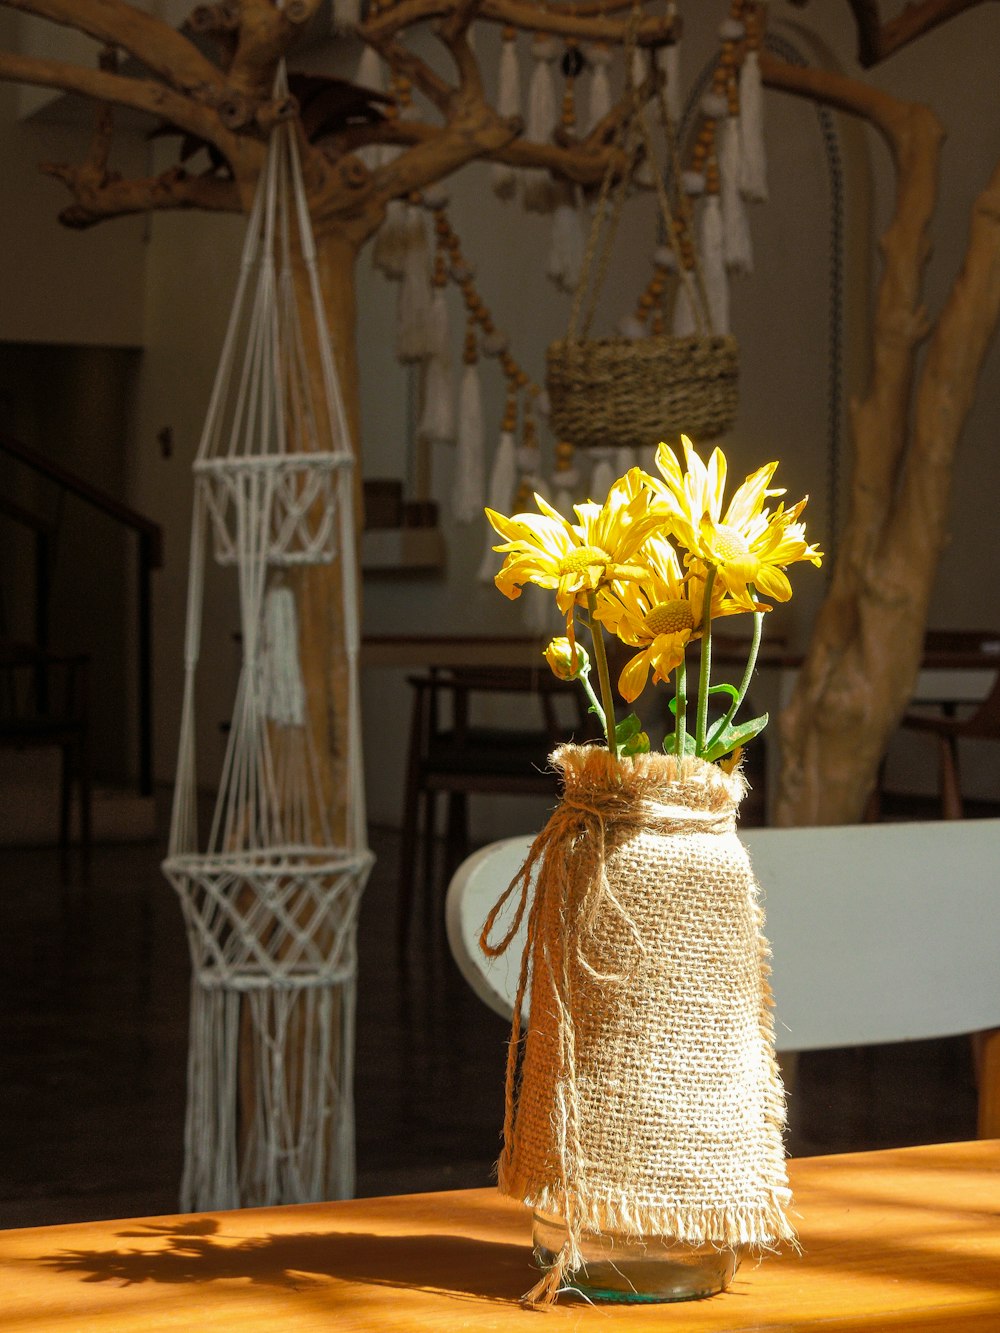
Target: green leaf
[[670, 743], [733, 736], [638, 744], [627, 728], [723, 688]]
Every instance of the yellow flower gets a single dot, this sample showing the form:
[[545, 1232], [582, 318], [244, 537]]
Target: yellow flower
[[567, 660], [660, 614], [747, 543], [577, 558]]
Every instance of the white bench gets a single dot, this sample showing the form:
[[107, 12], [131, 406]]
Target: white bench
[[880, 933]]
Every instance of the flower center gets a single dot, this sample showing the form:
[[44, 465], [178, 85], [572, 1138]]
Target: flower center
[[670, 618], [730, 545], [582, 558]]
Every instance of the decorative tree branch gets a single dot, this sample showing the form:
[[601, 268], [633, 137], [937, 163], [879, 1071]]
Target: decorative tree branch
[[163, 50], [877, 40], [111, 197], [526, 17], [139, 94]]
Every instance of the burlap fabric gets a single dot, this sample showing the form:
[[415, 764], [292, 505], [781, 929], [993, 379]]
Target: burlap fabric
[[649, 1100]]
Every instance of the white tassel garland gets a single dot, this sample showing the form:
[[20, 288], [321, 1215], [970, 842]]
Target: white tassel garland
[[736, 228], [413, 307], [467, 492], [753, 155], [568, 242], [543, 116], [500, 496], [713, 264], [503, 176]]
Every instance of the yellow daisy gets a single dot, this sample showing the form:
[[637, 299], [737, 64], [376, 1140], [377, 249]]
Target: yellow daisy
[[577, 558], [659, 614], [746, 542]]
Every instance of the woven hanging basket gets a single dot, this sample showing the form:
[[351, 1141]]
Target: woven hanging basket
[[634, 392]]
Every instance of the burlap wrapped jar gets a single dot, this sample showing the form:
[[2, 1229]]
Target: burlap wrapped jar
[[649, 1101]]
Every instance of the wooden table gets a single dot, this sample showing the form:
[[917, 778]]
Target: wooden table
[[905, 1239]]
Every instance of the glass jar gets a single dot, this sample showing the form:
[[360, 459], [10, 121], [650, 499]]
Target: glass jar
[[636, 1269]]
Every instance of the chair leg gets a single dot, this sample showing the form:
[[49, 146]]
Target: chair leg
[[407, 865], [65, 810], [986, 1046], [951, 789], [429, 849], [457, 842], [86, 811]]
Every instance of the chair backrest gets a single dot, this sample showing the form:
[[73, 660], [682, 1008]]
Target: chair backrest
[[880, 932]]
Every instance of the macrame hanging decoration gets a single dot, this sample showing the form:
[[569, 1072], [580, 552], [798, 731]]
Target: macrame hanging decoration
[[645, 384], [542, 120], [270, 898], [753, 156], [391, 239]]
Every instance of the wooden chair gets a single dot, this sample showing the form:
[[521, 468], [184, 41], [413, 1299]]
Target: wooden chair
[[880, 933], [453, 754], [983, 723], [44, 704]]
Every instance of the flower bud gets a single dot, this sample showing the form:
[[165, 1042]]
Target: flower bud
[[567, 661]]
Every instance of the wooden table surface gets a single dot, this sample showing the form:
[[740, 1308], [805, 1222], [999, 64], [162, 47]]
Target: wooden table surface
[[904, 1239]]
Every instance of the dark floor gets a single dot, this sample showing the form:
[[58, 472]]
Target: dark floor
[[93, 1037]]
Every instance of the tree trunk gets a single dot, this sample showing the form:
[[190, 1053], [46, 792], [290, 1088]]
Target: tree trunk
[[319, 589], [865, 653]]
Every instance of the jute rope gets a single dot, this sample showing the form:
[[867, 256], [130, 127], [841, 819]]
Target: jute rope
[[649, 1101]]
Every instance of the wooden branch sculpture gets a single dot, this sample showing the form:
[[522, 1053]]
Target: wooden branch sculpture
[[867, 641]]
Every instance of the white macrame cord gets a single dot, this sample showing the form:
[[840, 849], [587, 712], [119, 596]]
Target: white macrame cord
[[270, 900]]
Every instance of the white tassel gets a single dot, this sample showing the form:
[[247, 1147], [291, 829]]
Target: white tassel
[[437, 421], [543, 115], [602, 478], [346, 15], [625, 459], [500, 496], [389, 252], [413, 308], [467, 492], [503, 176], [568, 243], [670, 63], [438, 330], [753, 155], [599, 99], [684, 322], [370, 75], [713, 264], [282, 685], [736, 228]]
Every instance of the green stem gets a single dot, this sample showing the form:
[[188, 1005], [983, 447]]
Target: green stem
[[584, 679], [704, 674], [758, 622], [603, 675], [680, 725]]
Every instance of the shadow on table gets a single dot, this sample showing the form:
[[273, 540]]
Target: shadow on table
[[198, 1251]]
